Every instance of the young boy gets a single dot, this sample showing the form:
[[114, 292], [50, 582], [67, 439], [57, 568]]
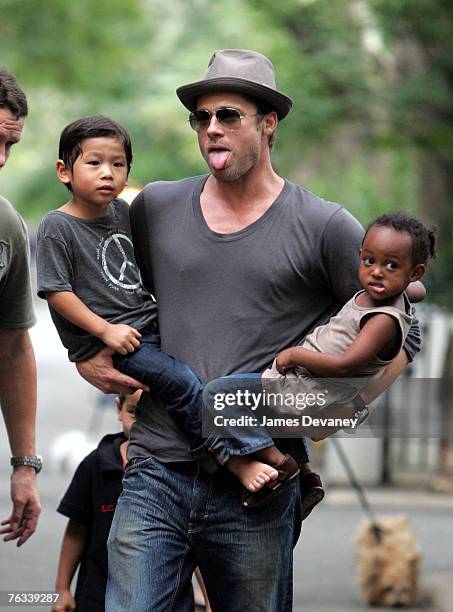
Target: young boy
[[87, 270], [88, 275], [89, 504]]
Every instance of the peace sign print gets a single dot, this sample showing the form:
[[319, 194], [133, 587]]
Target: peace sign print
[[116, 248]]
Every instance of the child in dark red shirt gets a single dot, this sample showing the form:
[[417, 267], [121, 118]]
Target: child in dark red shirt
[[89, 503]]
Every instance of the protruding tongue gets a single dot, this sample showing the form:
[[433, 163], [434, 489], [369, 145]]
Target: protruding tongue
[[218, 158]]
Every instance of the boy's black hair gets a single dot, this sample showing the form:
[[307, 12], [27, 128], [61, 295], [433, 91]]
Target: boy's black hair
[[75, 133], [11, 95], [423, 238]]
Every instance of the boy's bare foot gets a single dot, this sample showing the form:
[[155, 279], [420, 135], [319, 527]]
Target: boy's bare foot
[[252, 474]]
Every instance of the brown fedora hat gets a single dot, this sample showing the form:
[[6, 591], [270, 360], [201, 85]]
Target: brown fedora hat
[[241, 71]]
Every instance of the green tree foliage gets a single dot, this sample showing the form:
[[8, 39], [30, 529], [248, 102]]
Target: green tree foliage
[[72, 59], [419, 33], [75, 47], [371, 126], [420, 101]]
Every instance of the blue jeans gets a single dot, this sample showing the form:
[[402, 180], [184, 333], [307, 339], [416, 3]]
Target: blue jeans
[[172, 517], [229, 441], [182, 393]]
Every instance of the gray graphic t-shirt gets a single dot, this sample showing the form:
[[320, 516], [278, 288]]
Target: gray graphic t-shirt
[[93, 258]]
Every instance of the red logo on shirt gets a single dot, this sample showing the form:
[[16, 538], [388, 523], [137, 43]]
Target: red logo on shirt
[[108, 508]]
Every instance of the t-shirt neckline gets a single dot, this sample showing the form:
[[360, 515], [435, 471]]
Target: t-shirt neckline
[[98, 220], [249, 229]]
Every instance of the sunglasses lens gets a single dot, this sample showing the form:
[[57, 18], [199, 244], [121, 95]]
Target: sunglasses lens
[[229, 117], [199, 119]]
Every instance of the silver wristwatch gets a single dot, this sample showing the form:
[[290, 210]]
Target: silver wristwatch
[[361, 413], [34, 461]]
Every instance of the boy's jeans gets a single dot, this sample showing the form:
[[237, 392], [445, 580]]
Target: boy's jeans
[[182, 393], [171, 518], [231, 440], [168, 378]]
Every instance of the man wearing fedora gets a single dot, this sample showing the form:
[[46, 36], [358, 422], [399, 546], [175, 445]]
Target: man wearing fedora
[[242, 263]]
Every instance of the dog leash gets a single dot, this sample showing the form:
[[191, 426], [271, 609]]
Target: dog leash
[[375, 529]]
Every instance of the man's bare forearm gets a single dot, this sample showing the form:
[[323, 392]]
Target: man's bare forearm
[[18, 390], [389, 375], [368, 394]]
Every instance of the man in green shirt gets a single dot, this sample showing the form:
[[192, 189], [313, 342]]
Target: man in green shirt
[[17, 360]]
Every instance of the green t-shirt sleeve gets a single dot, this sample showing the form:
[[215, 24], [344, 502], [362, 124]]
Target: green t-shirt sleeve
[[16, 304]]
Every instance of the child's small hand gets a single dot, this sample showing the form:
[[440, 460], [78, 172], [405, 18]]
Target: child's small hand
[[121, 338], [284, 361], [65, 603], [416, 291]]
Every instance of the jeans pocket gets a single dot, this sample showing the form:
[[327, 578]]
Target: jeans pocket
[[137, 463]]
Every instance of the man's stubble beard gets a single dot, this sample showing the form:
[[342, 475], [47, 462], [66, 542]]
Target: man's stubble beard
[[239, 167], [249, 158]]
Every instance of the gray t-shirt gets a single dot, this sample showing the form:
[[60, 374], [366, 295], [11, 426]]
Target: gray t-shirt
[[16, 304], [229, 303], [93, 258]]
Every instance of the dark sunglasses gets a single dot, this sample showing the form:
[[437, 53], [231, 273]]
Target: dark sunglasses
[[230, 118]]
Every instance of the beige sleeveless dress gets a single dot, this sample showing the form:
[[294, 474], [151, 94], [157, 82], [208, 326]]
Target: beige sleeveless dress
[[335, 337]]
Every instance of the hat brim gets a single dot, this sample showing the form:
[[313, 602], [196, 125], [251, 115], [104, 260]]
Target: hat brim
[[188, 94]]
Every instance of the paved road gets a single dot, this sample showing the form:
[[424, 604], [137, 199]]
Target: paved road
[[324, 569], [324, 566]]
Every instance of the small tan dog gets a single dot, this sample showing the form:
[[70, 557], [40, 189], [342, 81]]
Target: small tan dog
[[388, 562]]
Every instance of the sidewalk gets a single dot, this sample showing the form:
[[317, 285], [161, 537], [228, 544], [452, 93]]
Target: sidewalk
[[393, 497], [324, 569], [439, 589]]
